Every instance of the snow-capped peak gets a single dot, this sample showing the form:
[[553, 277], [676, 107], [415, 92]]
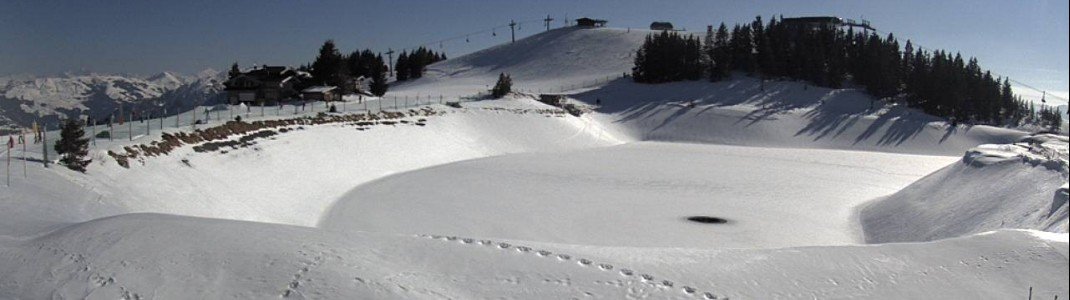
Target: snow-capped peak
[[166, 80]]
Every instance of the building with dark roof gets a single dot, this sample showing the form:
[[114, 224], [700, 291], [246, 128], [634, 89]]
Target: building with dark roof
[[264, 85], [661, 26], [588, 22]]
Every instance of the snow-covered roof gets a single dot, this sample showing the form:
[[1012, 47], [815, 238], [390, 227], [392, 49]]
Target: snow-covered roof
[[319, 89]]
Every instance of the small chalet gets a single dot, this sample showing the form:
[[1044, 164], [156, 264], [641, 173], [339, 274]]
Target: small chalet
[[662, 26], [321, 93], [588, 22], [268, 84]]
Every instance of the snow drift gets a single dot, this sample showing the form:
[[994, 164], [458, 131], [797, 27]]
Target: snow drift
[[1021, 185]]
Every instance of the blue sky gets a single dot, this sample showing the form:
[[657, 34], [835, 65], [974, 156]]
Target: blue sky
[[1027, 40]]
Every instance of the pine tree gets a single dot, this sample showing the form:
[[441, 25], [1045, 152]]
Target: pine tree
[[503, 87], [329, 65], [763, 51], [378, 74], [72, 146], [417, 60], [708, 54], [722, 57], [401, 67], [234, 71]]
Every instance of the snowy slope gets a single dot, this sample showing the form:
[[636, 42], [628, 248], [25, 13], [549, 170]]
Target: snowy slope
[[783, 114], [1022, 185], [293, 177], [588, 64], [141, 256], [548, 60]]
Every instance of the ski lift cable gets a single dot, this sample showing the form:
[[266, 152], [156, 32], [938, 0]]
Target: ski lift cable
[[467, 35], [1017, 83]]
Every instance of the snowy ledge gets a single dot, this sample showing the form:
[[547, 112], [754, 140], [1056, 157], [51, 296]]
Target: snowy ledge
[[1048, 150]]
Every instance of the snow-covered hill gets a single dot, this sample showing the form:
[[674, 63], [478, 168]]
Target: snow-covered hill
[[546, 61], [1022, 185], [588, 64], [22, 101]]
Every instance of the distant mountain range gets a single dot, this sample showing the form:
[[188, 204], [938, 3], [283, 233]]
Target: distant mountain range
[[24, 99]]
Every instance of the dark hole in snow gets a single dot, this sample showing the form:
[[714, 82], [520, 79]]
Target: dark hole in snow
[[707, 220]]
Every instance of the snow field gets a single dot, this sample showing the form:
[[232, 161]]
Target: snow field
[[638, 194]]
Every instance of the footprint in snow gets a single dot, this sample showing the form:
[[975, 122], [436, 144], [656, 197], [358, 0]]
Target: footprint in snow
[[605, 267], [504, 245], [544, 253], [626, 272], [564, 257], [585, 262]]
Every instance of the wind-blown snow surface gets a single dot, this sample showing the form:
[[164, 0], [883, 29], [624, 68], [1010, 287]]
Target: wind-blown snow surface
[[140, 256], [639, 195], [1022, 185]]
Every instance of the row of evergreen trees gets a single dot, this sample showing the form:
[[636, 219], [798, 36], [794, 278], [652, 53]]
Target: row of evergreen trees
[[667, 57], [937, 82], [331, 67], [411, 65]]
